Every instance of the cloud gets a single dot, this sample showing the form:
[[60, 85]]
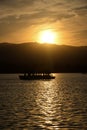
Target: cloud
[[81, 8], [16, 3], [81, 34], [19, 14], [45, 8]]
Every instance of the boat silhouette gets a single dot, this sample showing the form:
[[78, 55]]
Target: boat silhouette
[[34, 76]]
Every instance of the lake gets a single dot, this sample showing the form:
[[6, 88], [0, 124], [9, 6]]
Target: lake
[[57, 104]]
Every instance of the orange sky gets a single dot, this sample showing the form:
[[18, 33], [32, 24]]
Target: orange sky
[[23, 20]]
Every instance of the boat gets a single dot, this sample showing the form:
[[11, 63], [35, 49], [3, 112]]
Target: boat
[[39, 76]]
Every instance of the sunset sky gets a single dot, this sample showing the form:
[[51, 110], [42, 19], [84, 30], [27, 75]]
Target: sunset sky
[[23, 20]]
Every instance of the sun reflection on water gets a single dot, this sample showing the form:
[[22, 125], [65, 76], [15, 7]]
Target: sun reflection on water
[[58, 104], [47, 105]]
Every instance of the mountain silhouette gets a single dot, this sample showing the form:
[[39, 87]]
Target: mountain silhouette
[[35, 58]]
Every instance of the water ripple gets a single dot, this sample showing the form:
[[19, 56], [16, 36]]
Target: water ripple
[[59, 104]]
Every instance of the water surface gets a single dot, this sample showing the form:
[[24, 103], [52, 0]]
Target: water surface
[[57, 104]]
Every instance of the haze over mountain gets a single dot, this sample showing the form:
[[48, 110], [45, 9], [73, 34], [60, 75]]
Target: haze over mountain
[[33, 57]]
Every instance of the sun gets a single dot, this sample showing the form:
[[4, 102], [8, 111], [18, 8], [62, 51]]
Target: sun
[[47, 36]]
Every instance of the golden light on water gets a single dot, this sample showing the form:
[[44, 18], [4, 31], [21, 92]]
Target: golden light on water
[[45, 100], [47, 36]]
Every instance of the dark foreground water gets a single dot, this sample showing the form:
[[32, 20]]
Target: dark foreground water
[[58, 104]]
